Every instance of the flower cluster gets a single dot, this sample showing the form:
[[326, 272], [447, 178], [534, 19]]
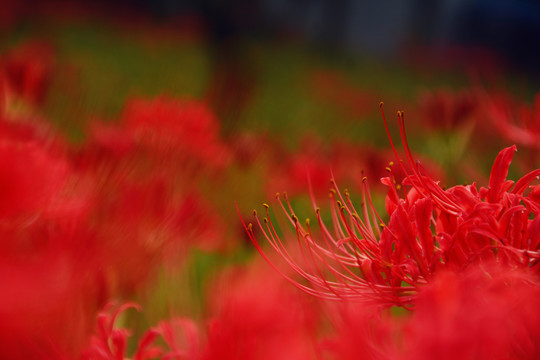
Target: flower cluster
[[85, 223], [436, 248], [107, 211]]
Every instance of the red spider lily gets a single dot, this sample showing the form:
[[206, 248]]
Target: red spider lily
[[477, 314], [141, 176], [180, 336], [429, 229], [139, 225], [51, 284], [21, 162], [257, 316], [487, 312], [132, 222], [172, 126], [49, 296], [364, 334], [111, 344], [176, 137], [250, 323]]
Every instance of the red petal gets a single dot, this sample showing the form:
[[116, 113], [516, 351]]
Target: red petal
[[499, 172]]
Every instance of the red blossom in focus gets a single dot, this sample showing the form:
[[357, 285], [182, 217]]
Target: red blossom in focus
[[429, 229]]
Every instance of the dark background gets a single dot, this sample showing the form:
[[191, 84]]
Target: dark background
[[507, 29]]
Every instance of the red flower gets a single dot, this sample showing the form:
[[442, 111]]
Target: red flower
[[171, 126], [142, 176], [49, 295], [139, 225], [50, 282], [477, 314], [21, 163], [257, 316], [429, 229], [110, 343]]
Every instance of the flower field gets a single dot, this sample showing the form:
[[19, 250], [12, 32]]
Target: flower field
[[163, 198]]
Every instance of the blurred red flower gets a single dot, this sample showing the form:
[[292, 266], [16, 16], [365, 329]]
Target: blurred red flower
[[51, 285], [110, 343], [477, 314], [143, 176], [257, 316], [515, 121], [177, 126]]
